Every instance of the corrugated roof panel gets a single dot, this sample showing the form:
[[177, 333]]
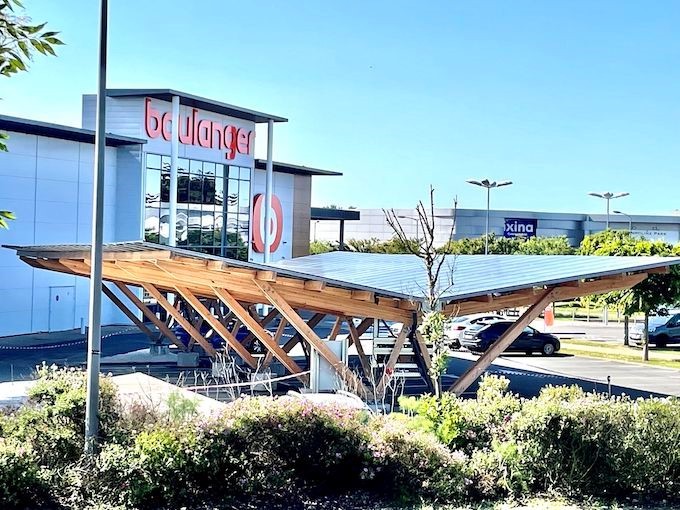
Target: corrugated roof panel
[[464, 276], [404, 276]]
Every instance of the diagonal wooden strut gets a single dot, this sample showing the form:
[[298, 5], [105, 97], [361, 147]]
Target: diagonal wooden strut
[[196, 335], [130, 315], [261, 333], [161, 325], [277, 339], [356, 339], [394, 356], [308, 334], [510, 335], [217, 326]]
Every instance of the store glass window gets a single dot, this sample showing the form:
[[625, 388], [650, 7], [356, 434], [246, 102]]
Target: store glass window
[[213, 205]]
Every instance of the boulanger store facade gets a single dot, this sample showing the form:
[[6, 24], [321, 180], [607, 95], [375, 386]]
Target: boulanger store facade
[[199, 188]]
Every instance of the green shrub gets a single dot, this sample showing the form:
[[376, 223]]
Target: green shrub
[[53, 420], [22, 484], [413, 465], [464, 424]]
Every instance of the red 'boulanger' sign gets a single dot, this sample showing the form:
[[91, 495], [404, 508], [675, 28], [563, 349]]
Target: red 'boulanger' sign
[[201, 132], [275, 227]]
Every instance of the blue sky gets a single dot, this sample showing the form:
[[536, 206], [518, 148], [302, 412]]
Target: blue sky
[[563, 98]]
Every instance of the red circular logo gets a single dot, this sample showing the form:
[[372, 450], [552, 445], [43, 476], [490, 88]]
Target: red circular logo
[[275, 225]]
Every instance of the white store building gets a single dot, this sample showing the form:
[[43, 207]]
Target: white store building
[[46, 180]]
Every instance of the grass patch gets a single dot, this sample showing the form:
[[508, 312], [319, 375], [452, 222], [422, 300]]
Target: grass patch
[[669, 358]]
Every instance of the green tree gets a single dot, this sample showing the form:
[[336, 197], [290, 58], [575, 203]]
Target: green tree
[[653, 294], [316, 247], [510, 246], [19, 40]]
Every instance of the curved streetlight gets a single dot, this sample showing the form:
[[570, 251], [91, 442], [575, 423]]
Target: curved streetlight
[[416, 220], [488, 184], [630, 219], [608, 196]]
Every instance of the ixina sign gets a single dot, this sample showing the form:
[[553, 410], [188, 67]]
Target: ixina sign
[[193, 130], [275, 225]]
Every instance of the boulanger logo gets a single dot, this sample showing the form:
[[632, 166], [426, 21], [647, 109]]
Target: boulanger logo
[[275, 226]]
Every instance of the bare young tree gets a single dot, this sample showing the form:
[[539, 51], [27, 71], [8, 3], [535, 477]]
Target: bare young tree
[[435, 260], [424, 247]]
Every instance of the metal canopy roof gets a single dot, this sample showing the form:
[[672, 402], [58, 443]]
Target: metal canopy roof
[[36, 127], [197, 102], [472, 275], [399, 276]]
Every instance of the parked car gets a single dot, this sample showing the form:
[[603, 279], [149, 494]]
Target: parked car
[[663, 330], [479, 337], [454, 328]]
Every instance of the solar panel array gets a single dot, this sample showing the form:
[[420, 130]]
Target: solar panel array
[[463, 276]]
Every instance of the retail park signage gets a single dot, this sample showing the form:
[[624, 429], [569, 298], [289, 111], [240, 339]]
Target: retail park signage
[[275, 226], [520, 227], [200, 132]]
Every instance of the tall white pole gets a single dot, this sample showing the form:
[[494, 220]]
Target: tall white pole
[[94, 338], [174, 154], [486, 236], [607, 224], [268, 193]]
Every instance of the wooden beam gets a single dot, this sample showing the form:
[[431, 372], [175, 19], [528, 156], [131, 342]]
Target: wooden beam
[[337, 325], [422, 345], [510, 335], [312, 323], [315, 285], [193, 333], [363, 295], [277, 338], [217, 326], [266, 276], [356, 339], [308, 334], [273, 314], [130, 315], [161, 325], [659, 270], [394, 356], [254, 326]]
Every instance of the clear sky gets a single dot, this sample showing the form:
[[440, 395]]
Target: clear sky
[[563, 98]]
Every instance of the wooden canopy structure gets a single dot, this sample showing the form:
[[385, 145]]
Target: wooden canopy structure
[[197, 289]]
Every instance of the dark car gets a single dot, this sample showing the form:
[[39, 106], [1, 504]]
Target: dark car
[[480, 337]]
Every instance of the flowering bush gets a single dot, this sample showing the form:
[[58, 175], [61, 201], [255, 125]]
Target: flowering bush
[[22, 483], [413, 464]]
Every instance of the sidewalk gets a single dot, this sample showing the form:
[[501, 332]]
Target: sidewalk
[[55, 339]]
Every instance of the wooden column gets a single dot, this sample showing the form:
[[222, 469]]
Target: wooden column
[[356, 339], [193, 333], [255, 327], [308, 334], [161, 325], [394, 356], [510, 335], [130, 315], [217, 326]]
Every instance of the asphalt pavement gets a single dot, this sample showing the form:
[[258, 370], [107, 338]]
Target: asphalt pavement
[[528, 374]]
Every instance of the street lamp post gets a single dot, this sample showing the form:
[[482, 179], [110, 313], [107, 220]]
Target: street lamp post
[[486, 183], [630, 220], [609, 196], [416, 220]]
